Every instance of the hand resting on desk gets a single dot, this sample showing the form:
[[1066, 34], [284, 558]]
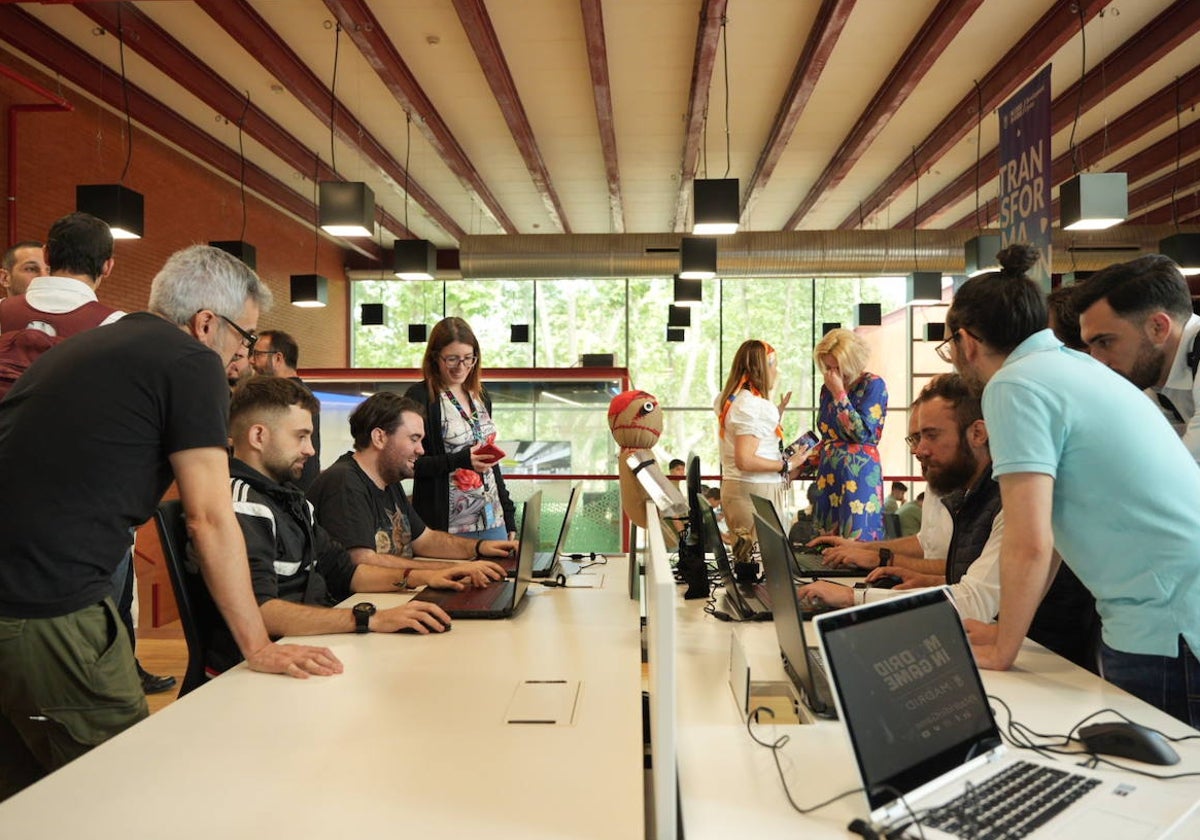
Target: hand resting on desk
[[458, 576], [294, 660]]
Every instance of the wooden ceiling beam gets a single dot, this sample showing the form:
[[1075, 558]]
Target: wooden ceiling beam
[[597, 53], [479, 30], [262, 43], [1030, 51], [364, 29], [939, 29], [708, 35]]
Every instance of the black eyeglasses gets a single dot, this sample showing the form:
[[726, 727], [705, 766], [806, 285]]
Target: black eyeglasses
[[943, 349], [249, 339]]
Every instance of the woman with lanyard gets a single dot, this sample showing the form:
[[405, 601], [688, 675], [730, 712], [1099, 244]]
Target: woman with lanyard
[[750, 437], [458, 488]]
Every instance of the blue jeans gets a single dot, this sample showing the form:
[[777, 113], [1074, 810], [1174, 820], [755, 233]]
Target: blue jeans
[[1169, 683], [496, 532]]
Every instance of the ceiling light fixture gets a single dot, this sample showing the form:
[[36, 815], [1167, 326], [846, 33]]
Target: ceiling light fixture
[[239, 247], [347, 208], [924, 287], [688, 290], [868, 314], [309, 290], [980, 253], [372, 314], [715, 201], [679, 316], [1183, 248], [697, 258], [121, 208], [1090, 200], [412, 259]]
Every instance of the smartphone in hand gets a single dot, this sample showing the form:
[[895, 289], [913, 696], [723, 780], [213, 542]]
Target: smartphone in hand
[[805, 442]]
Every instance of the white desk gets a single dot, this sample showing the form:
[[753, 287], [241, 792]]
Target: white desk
[[410, 739], [729, 785]]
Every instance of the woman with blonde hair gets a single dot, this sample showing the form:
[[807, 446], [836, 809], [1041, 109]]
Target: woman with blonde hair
[[457, 488], [853, 405], [750, 437]]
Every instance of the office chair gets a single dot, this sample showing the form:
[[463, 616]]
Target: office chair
[[891, 526], [196, 608]]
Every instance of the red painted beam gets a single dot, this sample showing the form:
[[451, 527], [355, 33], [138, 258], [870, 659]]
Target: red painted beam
[[1144, 48], [822, 38], [708, 34], [940, 28], [364, 29], [478, 27], [1031, 50], [248, 29], [29, 36], [597, 52]]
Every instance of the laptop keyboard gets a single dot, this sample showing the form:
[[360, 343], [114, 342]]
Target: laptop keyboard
[[1012, 804]]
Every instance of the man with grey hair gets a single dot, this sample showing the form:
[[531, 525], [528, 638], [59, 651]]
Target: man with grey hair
[[96, 431]]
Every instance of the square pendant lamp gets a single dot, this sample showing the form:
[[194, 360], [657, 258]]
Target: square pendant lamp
[[688, 290], [980, 253], [121, 208], [715, 206], [309, 290], [925, 287], [697, 257], [418, 333], [935, 331], [518, 333], [414, 259], [372, 314], [868, 314], [1184, 249], [1093, 201], [829, 326], [679, 316], [676, 334], [346, 208], [244, 251]]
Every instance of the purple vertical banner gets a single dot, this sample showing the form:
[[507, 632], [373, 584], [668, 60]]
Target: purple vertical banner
[[1025, 171]]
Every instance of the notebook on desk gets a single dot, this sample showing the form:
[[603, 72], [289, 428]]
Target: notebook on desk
[[500, 598], [546, 563], [921, 728], [803, 562], [802, 663]]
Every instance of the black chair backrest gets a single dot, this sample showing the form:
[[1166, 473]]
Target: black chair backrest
[[196, 607], [891, 526]]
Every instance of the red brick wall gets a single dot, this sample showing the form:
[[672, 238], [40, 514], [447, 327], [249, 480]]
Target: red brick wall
[[185, 204]]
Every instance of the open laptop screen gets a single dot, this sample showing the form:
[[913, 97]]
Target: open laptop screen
[[909, 691]]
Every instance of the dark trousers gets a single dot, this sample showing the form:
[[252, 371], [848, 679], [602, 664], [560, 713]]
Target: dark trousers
[[1171, 683]]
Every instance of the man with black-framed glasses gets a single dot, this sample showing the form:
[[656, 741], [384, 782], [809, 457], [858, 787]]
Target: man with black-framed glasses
[[95, 432], [278, 354]]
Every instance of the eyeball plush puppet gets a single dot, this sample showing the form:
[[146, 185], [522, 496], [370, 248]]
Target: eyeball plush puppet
[[635, 419]]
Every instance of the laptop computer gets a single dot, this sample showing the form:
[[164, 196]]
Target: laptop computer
[[546, 563], [804, 562], [802, 663], [743, 601], [906, 684], [500, 598]]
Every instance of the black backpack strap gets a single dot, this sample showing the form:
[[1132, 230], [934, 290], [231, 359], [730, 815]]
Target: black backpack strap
[[1193, 356]]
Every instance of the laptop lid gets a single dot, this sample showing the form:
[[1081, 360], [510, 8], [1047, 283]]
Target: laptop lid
[[531, 523], [572, 501], [907, 687], [789, 624], [713, 542]]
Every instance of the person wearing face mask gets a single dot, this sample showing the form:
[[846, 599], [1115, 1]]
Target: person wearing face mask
[[95, 432], [458, 488], [853, 406]]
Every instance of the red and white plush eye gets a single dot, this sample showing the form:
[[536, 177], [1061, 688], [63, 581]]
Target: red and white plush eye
[[647, 407]]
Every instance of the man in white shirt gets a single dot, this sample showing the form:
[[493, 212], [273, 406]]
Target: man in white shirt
[[1136, 317]]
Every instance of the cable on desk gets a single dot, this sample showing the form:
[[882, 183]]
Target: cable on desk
[[593, 558], [1021, 737], [775, 746]]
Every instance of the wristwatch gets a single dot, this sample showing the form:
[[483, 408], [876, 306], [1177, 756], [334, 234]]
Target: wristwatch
[[362, 617], [885, 557]]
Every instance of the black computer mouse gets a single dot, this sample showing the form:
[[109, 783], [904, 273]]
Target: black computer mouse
[[885, 582], [1128, 740], [445, 629]]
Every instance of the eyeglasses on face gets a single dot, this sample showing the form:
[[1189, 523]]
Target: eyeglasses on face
[[456, 361], [929, 435], [249, 339], [266, 352], [943, 350]]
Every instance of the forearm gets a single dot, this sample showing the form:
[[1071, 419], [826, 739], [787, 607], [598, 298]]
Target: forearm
[[433, 543], [920, 564], [365, 556], [284, 618], [382, 579], [221, 554]]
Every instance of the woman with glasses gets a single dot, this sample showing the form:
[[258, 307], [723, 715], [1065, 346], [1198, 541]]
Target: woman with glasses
[[457, 488], [750, 437], [853, 405]]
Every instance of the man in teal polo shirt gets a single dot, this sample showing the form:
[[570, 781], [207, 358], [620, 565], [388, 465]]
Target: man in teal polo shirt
[[1066, 432]]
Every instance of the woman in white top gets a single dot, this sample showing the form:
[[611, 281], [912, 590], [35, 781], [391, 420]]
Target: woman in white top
[[750, 437]]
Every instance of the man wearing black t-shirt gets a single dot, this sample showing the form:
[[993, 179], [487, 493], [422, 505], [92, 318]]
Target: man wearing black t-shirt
[[90, 438], [359, 499], [297, 570]]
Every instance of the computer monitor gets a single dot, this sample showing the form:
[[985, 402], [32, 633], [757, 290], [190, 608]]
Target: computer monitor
[[660, 662], [692, 568]]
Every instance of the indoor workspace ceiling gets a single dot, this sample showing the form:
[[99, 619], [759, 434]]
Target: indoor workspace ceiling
[[594, 116]]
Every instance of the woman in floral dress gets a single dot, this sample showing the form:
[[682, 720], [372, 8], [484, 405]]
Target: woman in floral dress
[[853, 405]]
